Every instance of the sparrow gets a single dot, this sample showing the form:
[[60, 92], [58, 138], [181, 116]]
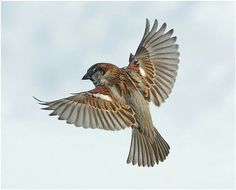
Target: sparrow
[[121, 96]]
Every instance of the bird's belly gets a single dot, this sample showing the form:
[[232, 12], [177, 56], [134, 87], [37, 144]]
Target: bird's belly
[[139, 104]]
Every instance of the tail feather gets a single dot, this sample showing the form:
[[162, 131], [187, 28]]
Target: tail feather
[[147, 151]]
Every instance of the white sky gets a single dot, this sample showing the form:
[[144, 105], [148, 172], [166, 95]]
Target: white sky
[[47, 48]]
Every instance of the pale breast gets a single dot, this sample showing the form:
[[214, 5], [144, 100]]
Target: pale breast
[[117, 94]]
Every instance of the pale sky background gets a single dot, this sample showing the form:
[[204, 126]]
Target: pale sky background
[[47, 48]]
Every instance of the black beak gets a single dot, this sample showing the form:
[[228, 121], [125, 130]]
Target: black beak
[[87, 76]]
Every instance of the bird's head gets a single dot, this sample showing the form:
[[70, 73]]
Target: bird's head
[[100, 73]]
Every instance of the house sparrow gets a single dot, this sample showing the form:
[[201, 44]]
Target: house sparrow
[[121, 96]]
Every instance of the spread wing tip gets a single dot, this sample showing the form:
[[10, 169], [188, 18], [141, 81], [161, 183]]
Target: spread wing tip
[[40, 101]]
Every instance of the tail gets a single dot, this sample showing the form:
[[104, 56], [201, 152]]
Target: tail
[[147, 151]]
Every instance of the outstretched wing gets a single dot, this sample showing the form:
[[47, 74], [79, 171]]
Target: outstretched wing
[[156, 62], [93, 109]]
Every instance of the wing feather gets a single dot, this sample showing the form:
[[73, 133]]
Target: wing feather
[[91, 110], [157, 63]]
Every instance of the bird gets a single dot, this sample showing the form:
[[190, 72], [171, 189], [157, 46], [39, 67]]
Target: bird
[[121, 96]]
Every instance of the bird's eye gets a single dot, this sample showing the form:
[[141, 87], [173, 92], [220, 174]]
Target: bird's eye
[[94, 70]]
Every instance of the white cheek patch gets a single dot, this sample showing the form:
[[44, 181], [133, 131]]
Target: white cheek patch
[[142, 71], [102, 96]]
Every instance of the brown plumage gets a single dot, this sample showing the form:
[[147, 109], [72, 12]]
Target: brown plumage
[[121, 95]]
